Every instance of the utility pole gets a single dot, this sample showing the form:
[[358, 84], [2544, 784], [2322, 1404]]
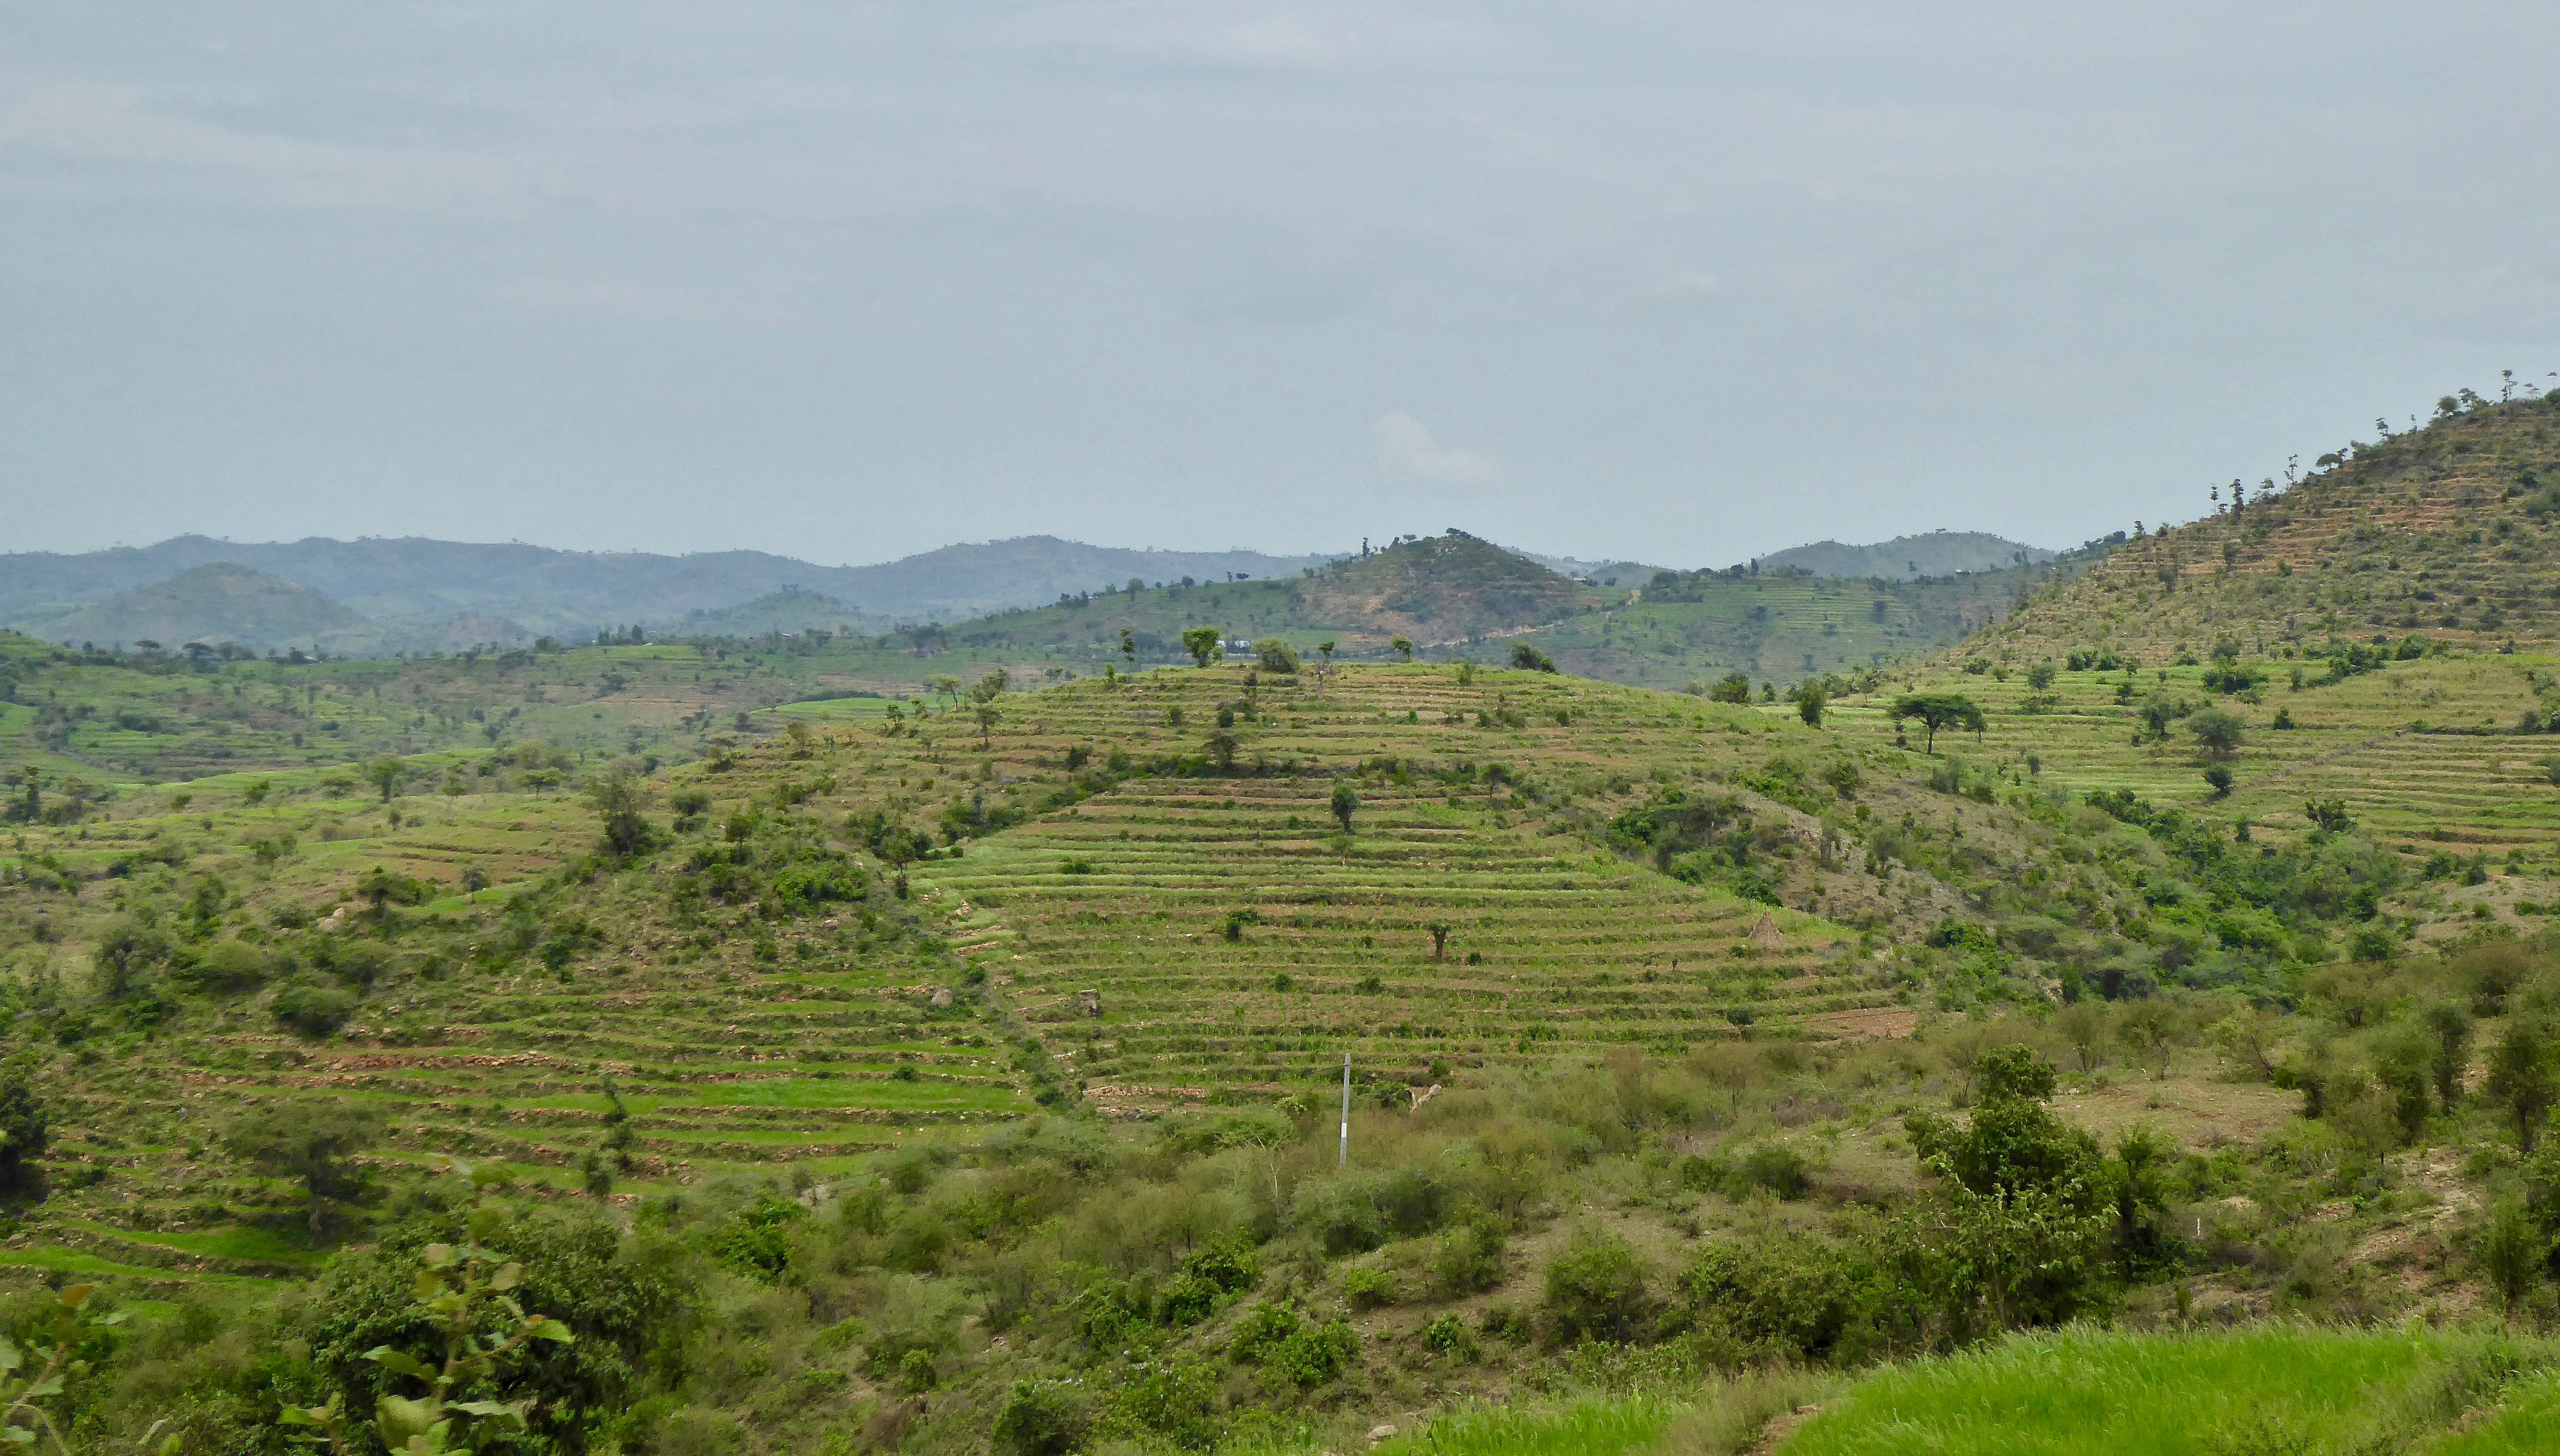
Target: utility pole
[[1344, 1161]]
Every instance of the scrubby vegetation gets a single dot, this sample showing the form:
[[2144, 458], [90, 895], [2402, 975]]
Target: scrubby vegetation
[[969, 1068]]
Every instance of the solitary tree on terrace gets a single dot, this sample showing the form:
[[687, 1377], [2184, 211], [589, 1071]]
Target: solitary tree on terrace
[[1439, 938], [1346, 804], [1202, 643], [1402, 647], [386, 774], [1940, 710]]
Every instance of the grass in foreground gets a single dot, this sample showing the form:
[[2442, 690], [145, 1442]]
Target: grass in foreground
[[2275, 1389]]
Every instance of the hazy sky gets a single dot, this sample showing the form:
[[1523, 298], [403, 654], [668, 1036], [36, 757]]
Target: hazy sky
[[1677, 281]]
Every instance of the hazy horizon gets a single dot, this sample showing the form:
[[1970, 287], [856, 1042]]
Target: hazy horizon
[[1638, 281]]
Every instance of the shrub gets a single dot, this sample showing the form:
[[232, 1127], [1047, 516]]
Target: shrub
[[1368, 1289], [1469, 1259], [313, 1011], [1276, 655], [1782, 1172], [1317, 1353], [1595, 1290], [1797, 1299], [1041, 1418], [757, 1241], [1449, 1336], [228, 967], [1529, 659]]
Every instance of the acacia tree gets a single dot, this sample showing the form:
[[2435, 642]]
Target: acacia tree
[[1940, 710], [310, 1143], [1402, 647], [2217, 731], [386, 774], [1204, 644]]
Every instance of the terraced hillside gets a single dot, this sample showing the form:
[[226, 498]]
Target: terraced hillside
[[793, 978], [2451, 530], [1694, 627]]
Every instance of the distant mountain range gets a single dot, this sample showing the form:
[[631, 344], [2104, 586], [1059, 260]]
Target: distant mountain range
[[377, 596], [417, 594]]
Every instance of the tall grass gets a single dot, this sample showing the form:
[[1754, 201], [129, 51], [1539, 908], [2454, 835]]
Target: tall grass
[[2291, 1390]]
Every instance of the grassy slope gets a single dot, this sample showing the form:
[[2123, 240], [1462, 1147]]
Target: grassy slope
[[2085, 1392]]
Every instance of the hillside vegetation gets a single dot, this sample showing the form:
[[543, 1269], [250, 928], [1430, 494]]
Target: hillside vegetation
[[1081, 1054]]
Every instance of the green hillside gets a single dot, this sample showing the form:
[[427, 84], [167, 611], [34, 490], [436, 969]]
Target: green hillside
[[2451, 531]]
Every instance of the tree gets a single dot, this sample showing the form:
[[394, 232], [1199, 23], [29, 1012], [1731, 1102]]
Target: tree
[[1529, 659], [1938, 711], [1402, 647], [2216, 729], [1346, 804], [987, 714], [1276, 655], [2511, 1252], [1809, 703], [311, 1143], [2522, 1073], [2451, 1023], [621, 800], [948, 686], [1204, 644], [1221, 747], [23, 1129], [1129, 646], [255, 793], [1439, 930], [1731, 688], [386, 774], [2218, 780]]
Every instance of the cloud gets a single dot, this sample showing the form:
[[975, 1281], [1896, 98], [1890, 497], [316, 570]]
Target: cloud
[[1408, 444]]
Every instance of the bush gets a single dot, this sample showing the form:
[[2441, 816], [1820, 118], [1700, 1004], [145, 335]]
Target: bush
[[1276, 655], [1318, 1353], [1793, 1298], [313, 1011], [1595, 1290], [1368, 1289], [1469, 1259], [227, 967], [1529, 659], [757, 1241], [1783, 1172], [1041, 1418], [1449, 1336]]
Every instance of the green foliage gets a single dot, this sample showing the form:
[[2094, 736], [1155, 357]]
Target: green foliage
[[1041, 1418], [1276, 655], [24, 1126], [757, 1241], [312, 1009], [1937, 710], [310, 1142], [1596, 1290]]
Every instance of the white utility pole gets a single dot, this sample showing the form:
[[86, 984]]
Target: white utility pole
[[1344, 1161]]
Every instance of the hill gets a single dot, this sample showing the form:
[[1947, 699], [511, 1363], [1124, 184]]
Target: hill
[[212, 604], [1443, 590], [792, 609], [1908, 558], [415, 586], [2451, 531], [1693, 627]]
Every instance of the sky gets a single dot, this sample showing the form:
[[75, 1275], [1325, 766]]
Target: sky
[[1678, 282]]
